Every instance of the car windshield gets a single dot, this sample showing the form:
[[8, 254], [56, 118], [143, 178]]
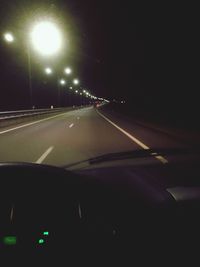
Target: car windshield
[[81, 79]]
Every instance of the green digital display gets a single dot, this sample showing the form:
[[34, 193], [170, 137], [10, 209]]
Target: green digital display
[[10, 240], [41, 241], [46, 233]]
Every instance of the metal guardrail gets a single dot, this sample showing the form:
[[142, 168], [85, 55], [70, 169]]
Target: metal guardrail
[[5, 115], [11, 117]]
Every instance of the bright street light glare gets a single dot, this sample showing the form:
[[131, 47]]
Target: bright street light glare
[[46, 38], [48, 71], [9, 37], [68, 71], [76, 81], [62, 82]]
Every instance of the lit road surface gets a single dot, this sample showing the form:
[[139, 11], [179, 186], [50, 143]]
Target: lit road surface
[[76, 135]]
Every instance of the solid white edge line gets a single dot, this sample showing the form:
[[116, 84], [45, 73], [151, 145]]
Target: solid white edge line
[[31, 123], [71, 125], [43, 157], [124, 132], [160, 158], [79, 211]]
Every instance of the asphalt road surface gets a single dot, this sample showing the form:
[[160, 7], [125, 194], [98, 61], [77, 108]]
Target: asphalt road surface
[[76, 135]]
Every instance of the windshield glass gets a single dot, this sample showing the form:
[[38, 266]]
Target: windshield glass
[[81, 79]]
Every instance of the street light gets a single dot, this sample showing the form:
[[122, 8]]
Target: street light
[[76, 81], [9, 37], [62, 82], [68, 71], [48, 71], [46, 38]]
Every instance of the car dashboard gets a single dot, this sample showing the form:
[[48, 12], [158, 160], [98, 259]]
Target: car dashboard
[[106, 212]]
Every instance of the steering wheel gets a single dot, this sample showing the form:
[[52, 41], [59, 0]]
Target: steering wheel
[[39, 205]]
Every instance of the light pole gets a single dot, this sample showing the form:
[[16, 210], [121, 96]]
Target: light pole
[[68, 71], [46, 40], [30, 75], [61, 82], [76, 82], [9, 38]]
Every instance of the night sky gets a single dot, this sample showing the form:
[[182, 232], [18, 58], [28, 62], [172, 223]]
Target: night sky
[[143, 53]]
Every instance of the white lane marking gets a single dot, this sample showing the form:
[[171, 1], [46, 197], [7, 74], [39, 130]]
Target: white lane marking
[[71, 125], [162, 159], [31, 123], [79, 211], [124, 132], [11, 213], [155, 154], [46, 153]]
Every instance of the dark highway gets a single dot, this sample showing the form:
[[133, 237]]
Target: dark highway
[[77, 135]]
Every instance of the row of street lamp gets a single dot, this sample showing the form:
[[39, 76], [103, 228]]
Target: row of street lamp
[[63, 82], [67, 70], [46, 39]]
